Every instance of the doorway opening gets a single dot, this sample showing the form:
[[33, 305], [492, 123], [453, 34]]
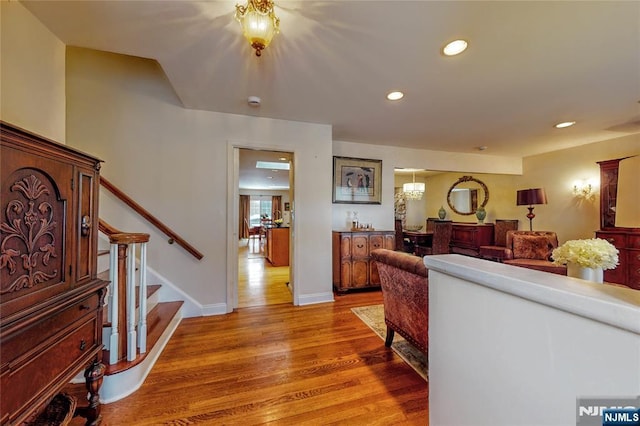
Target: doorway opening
[[265, 197]]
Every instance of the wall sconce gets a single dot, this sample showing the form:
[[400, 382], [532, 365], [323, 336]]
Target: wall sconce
[[583, 189]]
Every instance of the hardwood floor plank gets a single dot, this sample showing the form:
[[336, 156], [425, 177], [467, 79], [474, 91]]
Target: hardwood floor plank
[[278, 365]]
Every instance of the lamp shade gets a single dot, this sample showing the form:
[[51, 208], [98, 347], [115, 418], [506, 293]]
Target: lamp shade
[[414, 186], [529, 197]]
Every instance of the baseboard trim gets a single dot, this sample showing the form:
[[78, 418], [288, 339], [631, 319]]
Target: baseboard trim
[[310, 299]]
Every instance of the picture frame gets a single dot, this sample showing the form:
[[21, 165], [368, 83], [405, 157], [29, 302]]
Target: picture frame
[[287, 207], [357, 180]]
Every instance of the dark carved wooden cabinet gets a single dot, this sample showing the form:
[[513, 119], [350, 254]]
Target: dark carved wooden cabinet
[[50, 297], [352, 266], [626, 240]]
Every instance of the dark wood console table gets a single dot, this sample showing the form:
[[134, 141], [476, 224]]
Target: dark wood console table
[[466, 238]]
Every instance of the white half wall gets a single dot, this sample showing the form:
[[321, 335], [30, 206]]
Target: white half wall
[[513, 346]]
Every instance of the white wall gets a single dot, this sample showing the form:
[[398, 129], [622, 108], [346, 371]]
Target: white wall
[[32, 73], [174, 162]]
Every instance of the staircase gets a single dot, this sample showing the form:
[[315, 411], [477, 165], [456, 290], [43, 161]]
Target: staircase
[[135, 330]]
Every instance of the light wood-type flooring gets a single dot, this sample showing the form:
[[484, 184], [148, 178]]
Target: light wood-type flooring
[[259, 283], [277, 364]]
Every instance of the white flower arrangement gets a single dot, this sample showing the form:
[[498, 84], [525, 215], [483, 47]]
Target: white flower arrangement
[[591, 253]]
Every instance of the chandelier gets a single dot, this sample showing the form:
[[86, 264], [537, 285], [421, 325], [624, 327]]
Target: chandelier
[[413, 191], [259, 23]]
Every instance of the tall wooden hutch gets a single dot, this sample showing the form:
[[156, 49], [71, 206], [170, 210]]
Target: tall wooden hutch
[[626, 240], [50, 297]]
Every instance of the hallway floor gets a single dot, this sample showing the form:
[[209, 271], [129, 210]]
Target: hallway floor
[[259, 283]]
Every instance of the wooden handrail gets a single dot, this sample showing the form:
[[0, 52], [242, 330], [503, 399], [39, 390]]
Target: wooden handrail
[[173, 237], [118, 237]]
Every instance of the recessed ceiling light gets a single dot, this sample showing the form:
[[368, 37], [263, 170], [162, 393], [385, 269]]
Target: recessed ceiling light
[[282, 158], [395, 96], [455, 47], [482, 148], [564, 124]]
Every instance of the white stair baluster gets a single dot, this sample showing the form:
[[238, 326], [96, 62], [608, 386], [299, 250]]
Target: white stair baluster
[[131, 303], [142, 323], [113, 304]]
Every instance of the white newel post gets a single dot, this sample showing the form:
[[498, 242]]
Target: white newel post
[[142, 322]]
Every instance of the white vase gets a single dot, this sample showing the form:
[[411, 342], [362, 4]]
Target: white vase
[[590, 274]]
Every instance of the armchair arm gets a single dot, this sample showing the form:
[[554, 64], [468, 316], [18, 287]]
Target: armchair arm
[[508, 254]]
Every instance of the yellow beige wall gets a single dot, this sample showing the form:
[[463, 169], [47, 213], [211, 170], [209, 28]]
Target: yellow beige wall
[[32, 73], [570, 216]]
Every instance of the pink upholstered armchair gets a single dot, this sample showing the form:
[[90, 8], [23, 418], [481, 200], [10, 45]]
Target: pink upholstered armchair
[[405, 294], [532, 249]]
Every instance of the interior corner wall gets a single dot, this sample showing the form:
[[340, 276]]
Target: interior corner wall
[[174, 162], [32, 73]]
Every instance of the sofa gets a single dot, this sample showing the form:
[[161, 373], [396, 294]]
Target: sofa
[[404, 283], [532, 249]]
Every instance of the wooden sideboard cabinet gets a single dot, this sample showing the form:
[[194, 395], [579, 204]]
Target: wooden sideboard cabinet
[[352, 266], [50, 297], [466, 238], [277, 246], [627, 241]]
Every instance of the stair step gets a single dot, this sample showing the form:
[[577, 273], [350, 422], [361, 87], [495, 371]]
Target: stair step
[[157, 321], [151, 290]]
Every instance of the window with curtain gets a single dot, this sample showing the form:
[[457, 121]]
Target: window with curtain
[[257, 208]]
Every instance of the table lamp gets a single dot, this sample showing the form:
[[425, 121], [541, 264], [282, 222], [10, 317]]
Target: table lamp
[[530, 197]]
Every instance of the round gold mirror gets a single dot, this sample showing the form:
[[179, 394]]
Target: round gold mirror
[[467, 194]]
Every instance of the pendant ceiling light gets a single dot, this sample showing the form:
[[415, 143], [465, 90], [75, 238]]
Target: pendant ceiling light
[[413, 191], [259, 23]]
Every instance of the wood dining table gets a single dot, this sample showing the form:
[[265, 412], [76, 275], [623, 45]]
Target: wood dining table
[[419, 238]]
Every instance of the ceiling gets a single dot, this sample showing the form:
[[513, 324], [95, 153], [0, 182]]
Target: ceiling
[[529, 65]]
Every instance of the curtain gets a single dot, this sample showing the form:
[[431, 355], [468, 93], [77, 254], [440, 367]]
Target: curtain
[[276, 207], [243, 223]]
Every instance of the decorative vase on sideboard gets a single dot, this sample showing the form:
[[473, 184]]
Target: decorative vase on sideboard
[[442, 213], [590, 274], [481, 213]]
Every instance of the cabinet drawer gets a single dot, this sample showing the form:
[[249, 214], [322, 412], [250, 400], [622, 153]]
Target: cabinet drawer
[[376, 241], [617, 240], [360, 245], [633, 260], [36, 372], [16, 344], [633, 242]]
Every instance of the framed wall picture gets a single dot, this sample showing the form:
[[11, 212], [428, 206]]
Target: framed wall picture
[[287, 207], [357, 180]]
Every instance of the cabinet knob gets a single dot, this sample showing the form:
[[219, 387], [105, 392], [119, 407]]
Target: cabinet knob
[[84, 307], [83, 345]]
